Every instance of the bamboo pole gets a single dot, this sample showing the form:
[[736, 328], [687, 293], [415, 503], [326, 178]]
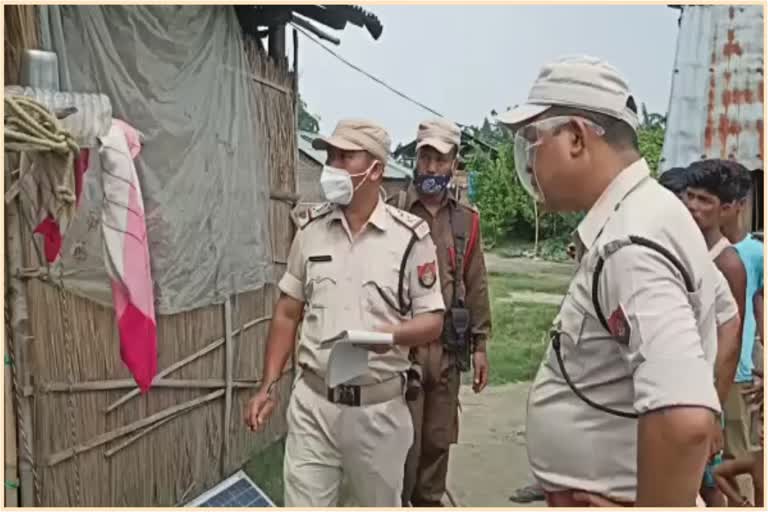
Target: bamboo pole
[[228, 372], [11, 473], [184, 495], [111, 385], [20, 334], [151, 420], [193, 357], [99, 440], [138, 435]]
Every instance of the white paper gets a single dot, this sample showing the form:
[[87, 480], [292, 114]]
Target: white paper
[[348, 360]]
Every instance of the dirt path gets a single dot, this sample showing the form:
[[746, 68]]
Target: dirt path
[[490, 460]]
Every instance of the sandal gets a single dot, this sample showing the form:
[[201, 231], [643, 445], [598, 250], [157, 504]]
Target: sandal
[[528, 494]]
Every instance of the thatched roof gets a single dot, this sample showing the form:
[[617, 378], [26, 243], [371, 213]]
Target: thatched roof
[[254, 19]]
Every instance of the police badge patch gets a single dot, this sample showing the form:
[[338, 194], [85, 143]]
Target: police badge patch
[[427, 274], [618, 324]]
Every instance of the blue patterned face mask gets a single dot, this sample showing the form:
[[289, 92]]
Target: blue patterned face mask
[[431, 185]]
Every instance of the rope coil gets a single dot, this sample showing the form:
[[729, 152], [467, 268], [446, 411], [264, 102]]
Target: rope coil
[[31, 129]]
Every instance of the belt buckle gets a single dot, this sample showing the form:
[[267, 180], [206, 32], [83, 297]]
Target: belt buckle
[[345, 394]]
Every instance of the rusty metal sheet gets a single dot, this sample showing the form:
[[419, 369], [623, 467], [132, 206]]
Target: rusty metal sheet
[[716, 105]]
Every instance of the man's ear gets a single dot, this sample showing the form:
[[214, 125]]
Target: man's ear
[[377, 173], [578, 131], [454, 165]]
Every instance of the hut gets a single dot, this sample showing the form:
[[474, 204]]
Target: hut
[[310, 164], [716, 106], [214, 94]]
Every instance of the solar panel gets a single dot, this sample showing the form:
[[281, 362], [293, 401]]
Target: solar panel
[[236, 491]]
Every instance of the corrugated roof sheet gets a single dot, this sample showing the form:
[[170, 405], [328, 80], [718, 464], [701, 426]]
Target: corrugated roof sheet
[[716, 104], [392, 171]]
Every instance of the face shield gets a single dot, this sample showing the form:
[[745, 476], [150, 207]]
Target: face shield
[[527, 139]]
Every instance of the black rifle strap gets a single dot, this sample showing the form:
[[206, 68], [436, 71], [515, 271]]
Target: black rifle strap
[[458, 219], [634, 240]]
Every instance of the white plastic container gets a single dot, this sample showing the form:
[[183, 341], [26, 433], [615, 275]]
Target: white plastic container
[[92, 119]]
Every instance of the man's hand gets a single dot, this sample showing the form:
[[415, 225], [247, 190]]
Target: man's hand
[[480, 363], [259, 410], [753, 394]]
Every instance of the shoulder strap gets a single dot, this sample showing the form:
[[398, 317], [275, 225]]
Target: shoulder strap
[[474, 229], [458, 220], [413, 223], [305, 217], [419, 229], [612, 248], [403, 305]]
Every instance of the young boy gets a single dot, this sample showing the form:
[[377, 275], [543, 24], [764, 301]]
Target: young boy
[[710, 191], [750, 464], [750, 249]]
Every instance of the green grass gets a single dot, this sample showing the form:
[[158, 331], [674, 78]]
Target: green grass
[[551, 250], [266, 469], [519, 329], [503, 284]]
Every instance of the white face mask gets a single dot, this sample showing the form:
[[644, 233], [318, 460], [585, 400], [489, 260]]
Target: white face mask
[[337, 184]]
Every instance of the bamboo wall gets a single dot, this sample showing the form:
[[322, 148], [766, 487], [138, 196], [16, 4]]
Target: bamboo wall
[[84, 447]]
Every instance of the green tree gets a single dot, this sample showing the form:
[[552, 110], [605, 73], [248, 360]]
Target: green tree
[[507, 212], [650, 137]]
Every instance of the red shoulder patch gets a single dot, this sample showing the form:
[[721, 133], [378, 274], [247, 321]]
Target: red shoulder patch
[[619, 327], [427, 274]]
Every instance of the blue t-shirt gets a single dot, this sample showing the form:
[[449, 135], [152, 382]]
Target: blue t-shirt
[[751, 252]]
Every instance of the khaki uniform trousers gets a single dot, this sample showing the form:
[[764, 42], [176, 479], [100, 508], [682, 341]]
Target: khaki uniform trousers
[[436, 425], [326, 442]]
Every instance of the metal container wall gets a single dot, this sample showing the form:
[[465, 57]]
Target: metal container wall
[[716, 106], [40, 69]]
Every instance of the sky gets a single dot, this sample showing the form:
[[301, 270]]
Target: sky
[[465, 60]]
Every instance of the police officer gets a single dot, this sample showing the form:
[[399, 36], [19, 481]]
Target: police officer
[[455, 230], [623, 406], [355, 263]]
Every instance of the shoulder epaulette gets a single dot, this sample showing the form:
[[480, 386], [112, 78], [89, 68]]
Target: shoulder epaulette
[[414, 223], [307, 216], [471, 209]]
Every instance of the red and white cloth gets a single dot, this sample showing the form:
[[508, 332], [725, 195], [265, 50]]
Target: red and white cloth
[[126, 253]]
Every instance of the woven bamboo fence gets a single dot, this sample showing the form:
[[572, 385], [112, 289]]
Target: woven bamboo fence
[[85, 435]]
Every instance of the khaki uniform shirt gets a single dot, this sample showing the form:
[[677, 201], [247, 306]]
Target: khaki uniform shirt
[[665, 358], [475, 276], [334, 273]]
